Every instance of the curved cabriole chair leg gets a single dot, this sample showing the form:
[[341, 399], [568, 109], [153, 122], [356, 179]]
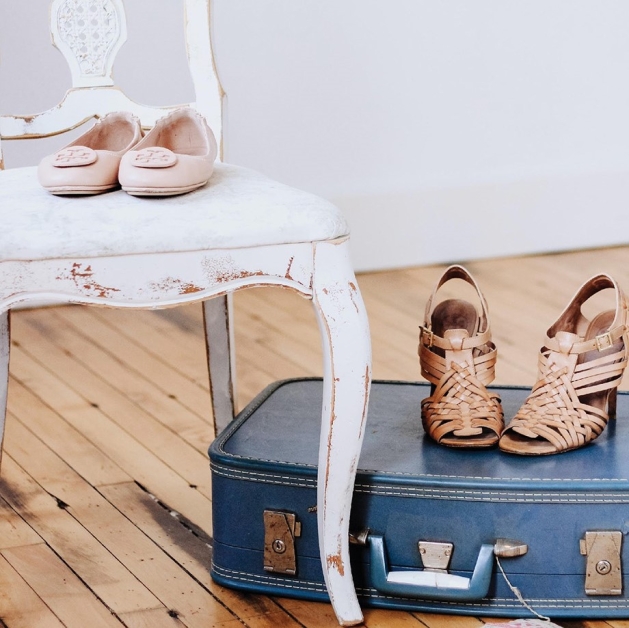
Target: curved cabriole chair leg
[[347, 378], [220, 358]]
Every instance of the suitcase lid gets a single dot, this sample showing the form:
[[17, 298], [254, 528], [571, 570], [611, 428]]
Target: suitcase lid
[[279, 432]]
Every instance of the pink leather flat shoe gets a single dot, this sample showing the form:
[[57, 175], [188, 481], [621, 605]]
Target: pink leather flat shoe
[[176, 156], [89, 164]]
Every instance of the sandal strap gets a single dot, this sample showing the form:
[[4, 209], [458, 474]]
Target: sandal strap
[[554, 412], [429, 339], [434, 367], [591, 287], [482, 335], [602, 342], [461, 403], [458, 272], [590, 377]]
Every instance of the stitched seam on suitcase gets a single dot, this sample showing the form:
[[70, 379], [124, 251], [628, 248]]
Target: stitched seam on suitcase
[[500, 602], [438, 476], [253, 474], [430, 493], [505, 496], [315, 586], [284, 480]]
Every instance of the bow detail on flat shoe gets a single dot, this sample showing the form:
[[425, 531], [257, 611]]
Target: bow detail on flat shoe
[[458, 358], [580, 367]]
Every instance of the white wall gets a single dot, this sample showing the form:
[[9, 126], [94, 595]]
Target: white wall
[[445, 130]]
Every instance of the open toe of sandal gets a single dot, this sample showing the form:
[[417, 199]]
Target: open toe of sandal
[[458, 358], [580, 367]]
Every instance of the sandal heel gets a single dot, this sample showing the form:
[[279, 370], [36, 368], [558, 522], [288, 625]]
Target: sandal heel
[[611, 403]]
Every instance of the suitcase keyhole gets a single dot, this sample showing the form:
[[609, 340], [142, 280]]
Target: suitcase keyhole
[[279, 547]]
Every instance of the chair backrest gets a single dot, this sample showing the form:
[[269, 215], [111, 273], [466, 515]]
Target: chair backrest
[[89, 34]]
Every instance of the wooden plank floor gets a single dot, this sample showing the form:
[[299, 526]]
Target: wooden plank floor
[[105, 498]]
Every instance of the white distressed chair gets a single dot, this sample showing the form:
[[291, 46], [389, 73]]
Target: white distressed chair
[[241, 230]]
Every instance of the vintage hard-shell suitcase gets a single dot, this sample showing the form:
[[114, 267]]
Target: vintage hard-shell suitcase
[[430, 521]]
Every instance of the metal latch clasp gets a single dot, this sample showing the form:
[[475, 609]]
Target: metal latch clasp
[[603, 573], [280, 531], [435, 556]]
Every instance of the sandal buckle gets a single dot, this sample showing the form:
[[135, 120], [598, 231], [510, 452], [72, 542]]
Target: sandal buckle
[[604, 341], [424, 331]]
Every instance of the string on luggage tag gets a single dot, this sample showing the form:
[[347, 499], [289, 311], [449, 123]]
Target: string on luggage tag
[[517, 594]]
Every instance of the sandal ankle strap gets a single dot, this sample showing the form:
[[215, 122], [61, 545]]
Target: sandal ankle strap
[[458, 272], [588, 289], [598, 343], [429, 339]]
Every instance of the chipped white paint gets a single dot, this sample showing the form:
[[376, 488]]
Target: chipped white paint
[[155, 280], [347, 377], [239, 231], [219, 340], [169, 279], [78, 106]]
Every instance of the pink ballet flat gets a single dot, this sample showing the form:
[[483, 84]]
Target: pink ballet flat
[[176, 156], [89, 164]]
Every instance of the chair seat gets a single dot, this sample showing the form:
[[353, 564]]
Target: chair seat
[[238, 208]]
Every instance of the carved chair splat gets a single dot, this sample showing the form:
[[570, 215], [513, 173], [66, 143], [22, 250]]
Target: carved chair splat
[[241, 230]]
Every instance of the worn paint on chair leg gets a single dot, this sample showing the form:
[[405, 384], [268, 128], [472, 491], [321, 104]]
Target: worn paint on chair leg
[[5, 346], [347, 378], [220, 357]]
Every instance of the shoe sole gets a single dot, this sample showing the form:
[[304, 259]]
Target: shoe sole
[[81, 190], [163, 191]]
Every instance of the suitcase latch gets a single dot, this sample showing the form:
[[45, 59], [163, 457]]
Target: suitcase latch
[[603, 573], [435, 556], [280, 531]]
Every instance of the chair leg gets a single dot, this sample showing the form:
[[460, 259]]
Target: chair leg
[[5, 345], [220, 359], [347, 379]]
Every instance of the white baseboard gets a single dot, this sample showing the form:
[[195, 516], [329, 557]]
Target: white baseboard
[[516, 218]]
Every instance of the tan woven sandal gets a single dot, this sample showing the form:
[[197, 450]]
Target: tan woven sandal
[[580, 367], [457, 357]]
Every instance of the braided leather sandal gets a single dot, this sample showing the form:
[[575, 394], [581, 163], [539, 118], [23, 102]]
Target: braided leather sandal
[[580, 367], [457, 357]]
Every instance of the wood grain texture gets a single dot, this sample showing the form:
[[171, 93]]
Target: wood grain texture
[[20, 606], [60, 588], [88, 496]]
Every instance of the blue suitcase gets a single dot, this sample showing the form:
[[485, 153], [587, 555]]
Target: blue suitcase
[[435, 529]]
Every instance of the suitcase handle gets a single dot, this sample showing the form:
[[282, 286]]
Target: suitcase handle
[[429, 584]]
